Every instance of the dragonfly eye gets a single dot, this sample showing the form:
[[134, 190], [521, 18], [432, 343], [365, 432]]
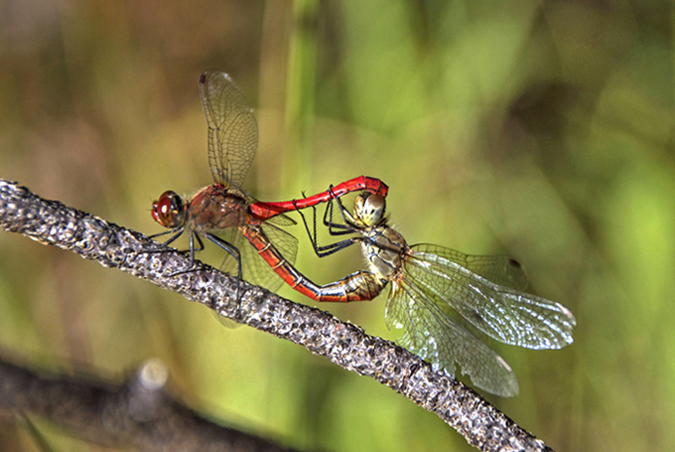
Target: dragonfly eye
[[369, 209], [169, 210]]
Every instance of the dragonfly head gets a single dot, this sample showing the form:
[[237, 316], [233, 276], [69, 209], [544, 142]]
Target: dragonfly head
[[369, 209], [169, 210]]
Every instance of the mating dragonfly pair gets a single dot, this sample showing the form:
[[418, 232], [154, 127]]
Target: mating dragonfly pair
[[437, 295]]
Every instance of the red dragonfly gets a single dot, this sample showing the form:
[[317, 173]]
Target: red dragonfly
[[437, 292], [224, 208]]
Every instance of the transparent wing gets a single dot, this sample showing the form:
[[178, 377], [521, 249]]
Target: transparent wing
[[501, 270], [507, 315], [229, 265], [254, 268], [257, 270], [233, 132], [431, 334], [281, 220], [235, 238]]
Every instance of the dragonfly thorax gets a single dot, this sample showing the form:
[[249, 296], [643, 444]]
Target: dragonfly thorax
[[384, 249], [217, 207]]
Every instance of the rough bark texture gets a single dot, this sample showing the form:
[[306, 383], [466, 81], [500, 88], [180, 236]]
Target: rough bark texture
[[347, 345]]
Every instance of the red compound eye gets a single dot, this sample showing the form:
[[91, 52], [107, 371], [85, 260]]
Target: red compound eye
[[169, 210]]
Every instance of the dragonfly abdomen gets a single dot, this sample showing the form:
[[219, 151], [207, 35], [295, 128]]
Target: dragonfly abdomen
[[358, 286]]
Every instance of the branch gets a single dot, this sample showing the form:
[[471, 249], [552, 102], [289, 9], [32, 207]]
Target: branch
[[138, 413], [50, 222]]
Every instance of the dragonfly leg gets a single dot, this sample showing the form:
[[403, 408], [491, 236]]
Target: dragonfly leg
[[194, 236], [346, 227], [323, 251], [170, 231], [334, 228], [176, 233], [233, 251], [192, 251], [327, 250], [164, 247], [192, 247], [350, 224]]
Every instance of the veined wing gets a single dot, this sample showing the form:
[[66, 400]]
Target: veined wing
[[507, 315], [235, 238], [432, 335], [256, 269], [281, 220], [233, 132], [501, 270]]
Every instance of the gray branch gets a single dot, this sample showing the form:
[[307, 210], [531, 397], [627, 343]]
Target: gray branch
[[346, 345], [138, 413]]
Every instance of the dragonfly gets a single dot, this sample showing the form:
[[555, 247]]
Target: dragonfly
[[223, 212], [439, 295]]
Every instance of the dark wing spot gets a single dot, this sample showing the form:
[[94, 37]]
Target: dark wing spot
[[478, 319], [514, 263]]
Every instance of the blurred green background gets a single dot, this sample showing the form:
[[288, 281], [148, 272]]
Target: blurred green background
[[538, 129]]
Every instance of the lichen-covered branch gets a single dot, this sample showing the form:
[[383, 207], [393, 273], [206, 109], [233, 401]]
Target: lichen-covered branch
[[52, 223]]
